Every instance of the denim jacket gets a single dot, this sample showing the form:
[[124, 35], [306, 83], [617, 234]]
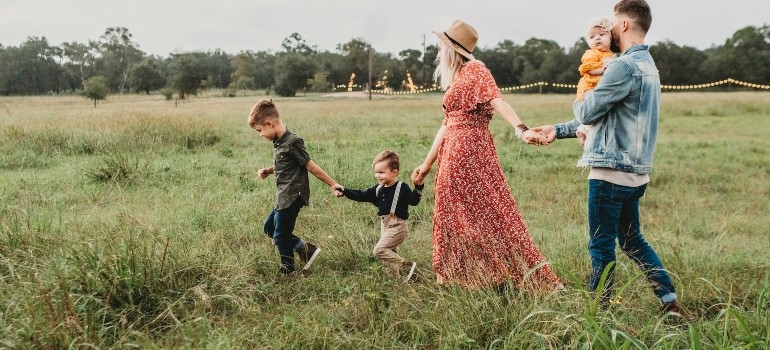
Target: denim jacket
[[624, 109]]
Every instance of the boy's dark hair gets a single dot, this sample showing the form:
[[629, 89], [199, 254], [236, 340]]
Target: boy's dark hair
[[263, 111], [388, 156], [638, 10]]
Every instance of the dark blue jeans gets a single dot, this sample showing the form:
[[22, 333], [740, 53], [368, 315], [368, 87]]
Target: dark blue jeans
[[613, 213], [280, 227]]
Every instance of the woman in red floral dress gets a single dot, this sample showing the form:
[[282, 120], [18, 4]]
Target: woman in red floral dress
[[479, 236]]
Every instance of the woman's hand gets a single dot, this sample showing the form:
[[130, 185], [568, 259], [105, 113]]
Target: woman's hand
[[419, 174], [548, 130], [534, 138]]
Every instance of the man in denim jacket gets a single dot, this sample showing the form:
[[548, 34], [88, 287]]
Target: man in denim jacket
[[624, 109]]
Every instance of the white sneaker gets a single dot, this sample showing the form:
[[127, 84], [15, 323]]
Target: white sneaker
[[308, 254], [411, 271]]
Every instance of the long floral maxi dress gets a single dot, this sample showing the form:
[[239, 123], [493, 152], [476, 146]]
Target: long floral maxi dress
[[479, 236]]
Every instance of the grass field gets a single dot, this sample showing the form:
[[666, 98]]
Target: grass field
[[137, 224]]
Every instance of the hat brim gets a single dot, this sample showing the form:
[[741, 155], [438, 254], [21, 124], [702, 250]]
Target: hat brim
[[449, 43]]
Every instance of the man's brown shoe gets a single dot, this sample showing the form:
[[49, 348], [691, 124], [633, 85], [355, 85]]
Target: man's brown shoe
[[677, 308]]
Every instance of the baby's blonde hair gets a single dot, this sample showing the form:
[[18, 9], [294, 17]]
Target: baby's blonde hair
[[603, 23]]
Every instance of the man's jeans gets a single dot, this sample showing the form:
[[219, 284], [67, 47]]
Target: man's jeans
[[613, 213], [280, 227]]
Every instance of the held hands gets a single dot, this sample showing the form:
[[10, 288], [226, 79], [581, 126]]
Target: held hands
[[533, 137], [418, 182], [337, 190], [549, 131], [419, 174]]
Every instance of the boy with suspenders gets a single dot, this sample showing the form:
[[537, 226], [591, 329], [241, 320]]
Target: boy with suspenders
[[392, 198]]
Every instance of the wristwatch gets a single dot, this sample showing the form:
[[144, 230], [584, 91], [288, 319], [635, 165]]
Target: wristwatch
[[520, 129]]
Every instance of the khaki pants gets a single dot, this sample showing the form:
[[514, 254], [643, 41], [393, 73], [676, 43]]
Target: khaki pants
[[392, 233]]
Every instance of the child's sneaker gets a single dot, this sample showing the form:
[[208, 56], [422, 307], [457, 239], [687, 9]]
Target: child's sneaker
[[411, 265], [286, 271], [307, 254]]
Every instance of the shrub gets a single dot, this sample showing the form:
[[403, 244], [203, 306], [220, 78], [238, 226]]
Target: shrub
[[118, 168], [167, 92]]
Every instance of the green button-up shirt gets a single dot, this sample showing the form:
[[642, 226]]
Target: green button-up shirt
[[291, 175]]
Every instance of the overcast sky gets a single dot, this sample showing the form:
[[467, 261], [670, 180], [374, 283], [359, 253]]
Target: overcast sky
[[163, 26]]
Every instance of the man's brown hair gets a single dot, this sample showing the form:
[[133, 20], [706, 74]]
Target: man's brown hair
[[638, 10], [388, 156], [263, 111]]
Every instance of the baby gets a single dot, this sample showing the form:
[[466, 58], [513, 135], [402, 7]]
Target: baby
[[593, 62]]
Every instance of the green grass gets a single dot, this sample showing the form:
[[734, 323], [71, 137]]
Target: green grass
[[138, 224]]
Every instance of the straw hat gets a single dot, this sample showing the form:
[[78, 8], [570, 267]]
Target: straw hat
[[461, 37]]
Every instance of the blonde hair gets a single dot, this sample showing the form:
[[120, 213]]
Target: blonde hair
[[387, 156], [448, 64], [603, 23], [262, 111]]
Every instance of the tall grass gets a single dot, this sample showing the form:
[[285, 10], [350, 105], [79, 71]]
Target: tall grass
[[138, 224]]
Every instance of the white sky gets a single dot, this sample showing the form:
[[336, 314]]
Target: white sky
[[164, 26]]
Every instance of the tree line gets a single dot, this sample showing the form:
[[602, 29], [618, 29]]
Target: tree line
[[115, 63]]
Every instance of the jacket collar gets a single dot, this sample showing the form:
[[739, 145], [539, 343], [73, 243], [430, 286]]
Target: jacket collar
[[635, 48]]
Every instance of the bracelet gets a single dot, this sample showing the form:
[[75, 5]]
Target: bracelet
[[520, 129]]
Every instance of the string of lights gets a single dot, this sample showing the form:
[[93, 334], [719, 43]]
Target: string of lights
[[574, 86]]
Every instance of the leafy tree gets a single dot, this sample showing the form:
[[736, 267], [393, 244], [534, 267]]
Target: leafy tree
[[356, 52], [30, 68], [538, 59], [146, 76], [167, 93], [295, 44], [96, 88], [319, 83], [411, 58], [412, 61], [243, 83], [118, 54], [395, 68], [292, 74], [244, 68], [569, 73], [335, 66], [35, 67], [80, 59], [187, 71], [295, 66], [219, 69], [744, 56], [429, 62], [553, 66], [500, 61], [678, 65], [264, 76]]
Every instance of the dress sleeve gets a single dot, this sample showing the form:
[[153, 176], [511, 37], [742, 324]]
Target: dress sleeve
[[484, 84]]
